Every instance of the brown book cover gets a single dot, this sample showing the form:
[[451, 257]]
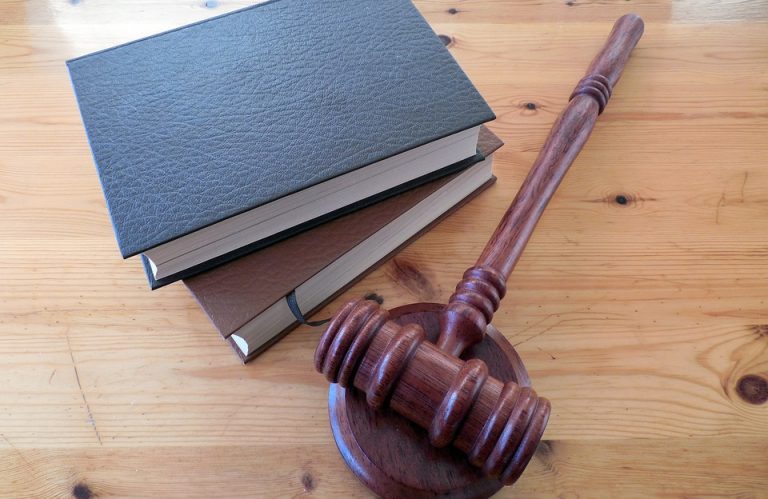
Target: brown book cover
[[232, 296]]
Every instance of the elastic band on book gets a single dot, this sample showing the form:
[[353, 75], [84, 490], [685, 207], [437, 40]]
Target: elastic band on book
[[293, 305]]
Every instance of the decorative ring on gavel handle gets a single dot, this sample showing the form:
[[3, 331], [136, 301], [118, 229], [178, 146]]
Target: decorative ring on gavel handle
[[497, 425]]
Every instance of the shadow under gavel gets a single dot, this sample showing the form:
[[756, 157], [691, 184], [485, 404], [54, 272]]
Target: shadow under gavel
[[498, 425]]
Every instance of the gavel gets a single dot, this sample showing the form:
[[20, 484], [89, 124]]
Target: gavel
[[498, 425]]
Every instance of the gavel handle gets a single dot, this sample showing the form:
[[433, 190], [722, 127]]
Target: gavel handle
[[477, 296]]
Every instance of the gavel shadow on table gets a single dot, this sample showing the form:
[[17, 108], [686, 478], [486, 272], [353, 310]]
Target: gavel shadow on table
[[446, 369]]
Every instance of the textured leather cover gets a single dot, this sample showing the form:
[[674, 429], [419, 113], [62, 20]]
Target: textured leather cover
[[231, 295], [209, 120]]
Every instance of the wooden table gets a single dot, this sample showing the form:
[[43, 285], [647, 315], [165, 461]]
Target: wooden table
[[640, 306]]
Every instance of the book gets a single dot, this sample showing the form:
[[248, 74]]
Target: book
[[246, 128], [247, 299]]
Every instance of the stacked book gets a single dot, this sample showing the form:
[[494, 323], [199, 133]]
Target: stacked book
[[272, 156]]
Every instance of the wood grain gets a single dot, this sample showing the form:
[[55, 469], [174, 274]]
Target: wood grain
[[636, 320]]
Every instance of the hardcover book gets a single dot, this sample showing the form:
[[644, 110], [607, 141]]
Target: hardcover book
[[247, 299], [223, 136]]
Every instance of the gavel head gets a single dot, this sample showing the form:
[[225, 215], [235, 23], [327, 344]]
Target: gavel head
[[498, 425]]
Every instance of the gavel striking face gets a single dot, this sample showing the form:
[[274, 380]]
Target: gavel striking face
[[497, 425]]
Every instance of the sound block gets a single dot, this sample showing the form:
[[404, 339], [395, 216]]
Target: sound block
[[391, 455]]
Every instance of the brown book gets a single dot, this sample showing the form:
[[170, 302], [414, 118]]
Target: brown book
[[247, 299]]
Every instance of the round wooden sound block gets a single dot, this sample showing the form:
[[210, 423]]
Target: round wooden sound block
[[391, 455]]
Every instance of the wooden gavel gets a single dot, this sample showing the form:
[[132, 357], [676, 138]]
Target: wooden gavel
[[497, 425]]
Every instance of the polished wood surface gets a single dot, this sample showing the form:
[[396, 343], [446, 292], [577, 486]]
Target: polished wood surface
[[497, 424], [394, 456], [640, 304]]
